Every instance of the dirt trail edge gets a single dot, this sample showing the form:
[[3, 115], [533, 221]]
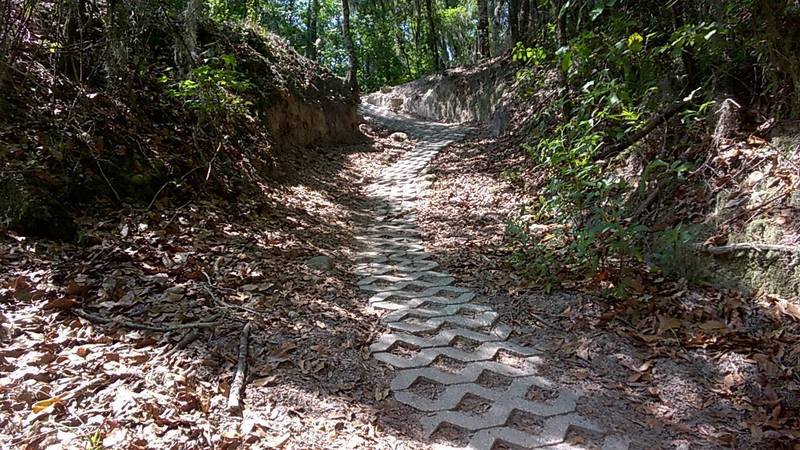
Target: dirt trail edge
[[441, 335]]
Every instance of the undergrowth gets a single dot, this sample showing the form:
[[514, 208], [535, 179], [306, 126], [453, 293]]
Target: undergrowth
[[597, 216]]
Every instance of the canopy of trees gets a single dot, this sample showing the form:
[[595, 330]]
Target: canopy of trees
[[397, 41]]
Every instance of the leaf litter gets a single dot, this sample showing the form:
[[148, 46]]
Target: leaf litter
[[130, 340], [677, 366]]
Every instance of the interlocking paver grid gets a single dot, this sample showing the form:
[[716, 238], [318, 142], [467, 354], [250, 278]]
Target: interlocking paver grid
[[426, 313]]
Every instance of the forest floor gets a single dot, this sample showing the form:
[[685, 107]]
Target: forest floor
[[284, 263], [676, 366], [281, 262]]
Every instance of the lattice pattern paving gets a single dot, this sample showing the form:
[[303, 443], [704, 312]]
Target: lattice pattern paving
[[445, 345]]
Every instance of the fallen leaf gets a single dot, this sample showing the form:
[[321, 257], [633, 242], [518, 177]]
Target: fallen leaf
[[76, 289], [45, 404], [381, 393], [60, 304], [712, 325], [264, 381], [667, 323], [278, 441]]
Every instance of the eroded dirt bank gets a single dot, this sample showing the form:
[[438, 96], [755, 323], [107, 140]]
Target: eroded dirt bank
[[479, 93]]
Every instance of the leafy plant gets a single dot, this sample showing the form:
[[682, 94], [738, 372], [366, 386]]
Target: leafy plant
[[213, 88], [673, 252]]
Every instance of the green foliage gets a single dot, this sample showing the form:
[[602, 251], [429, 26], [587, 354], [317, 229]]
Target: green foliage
[[213, 88], [533, 56], [673, 252], [94, 441], [611, 87]]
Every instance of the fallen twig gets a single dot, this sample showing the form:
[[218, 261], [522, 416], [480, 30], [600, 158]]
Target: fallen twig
[[208, 323], [208, 287], [752, 246], [179, 181], [183, 343], [235, 397]]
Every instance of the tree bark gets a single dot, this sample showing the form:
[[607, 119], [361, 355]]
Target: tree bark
[[513, 21], [313, 32], [496, 45], [483, 29], [561, 33], [432, 36], [352, 76], [186, 50], [524, 22]]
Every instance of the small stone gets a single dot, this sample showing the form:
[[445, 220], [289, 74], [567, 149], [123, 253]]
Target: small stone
[[320, 262], [398, 136]]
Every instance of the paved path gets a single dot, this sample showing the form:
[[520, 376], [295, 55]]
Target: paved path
[[431, 320]]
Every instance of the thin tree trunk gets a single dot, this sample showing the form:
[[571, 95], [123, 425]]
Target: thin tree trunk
[[432, 36], [72, 56], [483, 29], [417, 34], [116, 26], [524, 22], [401, 40], [313, 33], [513, 21], [561, 34], [352, 76], [186, 49]]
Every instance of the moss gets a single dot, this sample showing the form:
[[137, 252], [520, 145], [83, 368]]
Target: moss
[[770, 272]]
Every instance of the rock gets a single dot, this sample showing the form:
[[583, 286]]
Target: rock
[[398, 136], [320, 262]]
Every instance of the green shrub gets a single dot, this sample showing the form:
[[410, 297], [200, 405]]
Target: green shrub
[[212, 89]]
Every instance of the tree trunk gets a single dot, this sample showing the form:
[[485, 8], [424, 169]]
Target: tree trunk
[[513, 21], [313, 33], [561, 33], [432, 36], [400, 37], [483, 29], [116, 26], [72, 56], [417, 34], [186, 49], [524, 22], [352, 76], [496, 44]]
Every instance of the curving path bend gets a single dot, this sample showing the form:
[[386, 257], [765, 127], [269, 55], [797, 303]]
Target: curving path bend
[[432, 321]]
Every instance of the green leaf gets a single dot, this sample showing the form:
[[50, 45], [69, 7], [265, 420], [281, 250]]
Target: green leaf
[[635, 42]]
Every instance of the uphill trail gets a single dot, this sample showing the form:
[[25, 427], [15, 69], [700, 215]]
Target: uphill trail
[[454, 362]]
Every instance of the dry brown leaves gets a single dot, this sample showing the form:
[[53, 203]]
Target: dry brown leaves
[[694, 364], [67, 382]]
